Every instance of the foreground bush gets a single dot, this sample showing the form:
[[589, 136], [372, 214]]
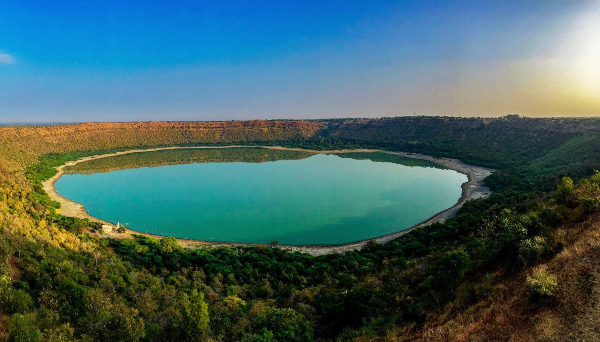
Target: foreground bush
[[541, 283]]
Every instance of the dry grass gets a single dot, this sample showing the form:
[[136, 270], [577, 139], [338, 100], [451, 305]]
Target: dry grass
[[15, 271], [508, 314], [3, 329]]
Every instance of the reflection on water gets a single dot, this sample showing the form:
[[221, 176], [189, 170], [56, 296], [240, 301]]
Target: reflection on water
[[185, 156], [258, 195], [388, 158]]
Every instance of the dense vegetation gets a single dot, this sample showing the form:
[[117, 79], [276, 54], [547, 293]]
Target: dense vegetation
[[59, 281]]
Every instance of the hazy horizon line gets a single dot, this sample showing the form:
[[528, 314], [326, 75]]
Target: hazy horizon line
[[58, 123]]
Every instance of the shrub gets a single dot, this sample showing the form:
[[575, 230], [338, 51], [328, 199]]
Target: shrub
[[532, 250], [589, 195], [169, 244], [595, 178], [195, 313], [13, 300], [22, 328], [275, 324], [541, 283], [565, 189]]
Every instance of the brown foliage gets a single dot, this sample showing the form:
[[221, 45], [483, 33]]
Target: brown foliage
[[21, 145]]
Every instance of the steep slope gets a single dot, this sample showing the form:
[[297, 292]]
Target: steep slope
[[499, 142], [21, 145], [510, 309]]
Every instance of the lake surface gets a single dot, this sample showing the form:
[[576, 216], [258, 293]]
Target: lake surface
[[256, 195]]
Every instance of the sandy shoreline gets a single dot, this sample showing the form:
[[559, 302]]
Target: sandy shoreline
[[472, 189]]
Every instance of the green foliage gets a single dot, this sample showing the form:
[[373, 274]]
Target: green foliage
[[451, 267], [13, 300], [63, 333], [169, 244], [45, 168], [503, 235], [541, 283], [109, 320], [23, 329], [595, 178], [73, 224], [564, 190], [532, 250], [281, 325], [68, 285], [195, 313], [262, 336], [577, 158], [499, 143], [588, 194]]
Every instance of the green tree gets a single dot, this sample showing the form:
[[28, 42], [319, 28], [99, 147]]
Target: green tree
[[108, 320], [565, 189], [169, 244], [13, 300], [63, 333], [288, 325], [195, 312], [23, 329], [451, 267]]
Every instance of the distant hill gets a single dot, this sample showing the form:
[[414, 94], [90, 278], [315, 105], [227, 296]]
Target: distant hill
[[21, 145], [496, 142]]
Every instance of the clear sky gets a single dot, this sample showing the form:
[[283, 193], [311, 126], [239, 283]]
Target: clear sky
[[110, 60]]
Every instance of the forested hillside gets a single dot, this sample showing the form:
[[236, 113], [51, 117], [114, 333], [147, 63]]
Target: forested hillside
[[519, 264], [21, 145], [499, 142]]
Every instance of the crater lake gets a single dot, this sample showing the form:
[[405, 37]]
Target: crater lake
[[261, 195]]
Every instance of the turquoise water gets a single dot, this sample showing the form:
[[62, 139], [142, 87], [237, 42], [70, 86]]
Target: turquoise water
[[311, 199]]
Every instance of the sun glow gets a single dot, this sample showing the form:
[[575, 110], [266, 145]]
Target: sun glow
[[584, 47]]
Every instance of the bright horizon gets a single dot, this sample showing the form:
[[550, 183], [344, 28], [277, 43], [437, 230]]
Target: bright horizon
[[205, 61]]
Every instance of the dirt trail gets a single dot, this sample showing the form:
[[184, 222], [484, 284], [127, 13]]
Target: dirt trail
[[472, 189]]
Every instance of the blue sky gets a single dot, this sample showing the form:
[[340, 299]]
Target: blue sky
[[207, 60]]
